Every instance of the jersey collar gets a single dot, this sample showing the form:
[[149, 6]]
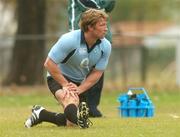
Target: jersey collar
[[83, 41]]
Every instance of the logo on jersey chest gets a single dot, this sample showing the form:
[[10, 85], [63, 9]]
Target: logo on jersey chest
[[84, 63]]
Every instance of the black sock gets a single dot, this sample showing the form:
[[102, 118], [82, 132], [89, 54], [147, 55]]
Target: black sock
[[56, 118], [71, 113]]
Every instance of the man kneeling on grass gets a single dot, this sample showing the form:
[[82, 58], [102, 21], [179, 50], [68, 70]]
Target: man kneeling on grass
[[74, 64]]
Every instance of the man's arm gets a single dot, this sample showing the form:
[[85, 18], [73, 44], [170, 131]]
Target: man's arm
[[108, 5], [93, 77], [55, 72]]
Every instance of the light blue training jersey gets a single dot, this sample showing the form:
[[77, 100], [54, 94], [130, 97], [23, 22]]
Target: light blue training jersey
[[75, 59]]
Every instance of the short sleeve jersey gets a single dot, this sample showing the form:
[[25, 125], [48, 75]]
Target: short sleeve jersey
[[75, 59]]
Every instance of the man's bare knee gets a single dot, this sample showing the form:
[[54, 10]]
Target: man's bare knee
[[59, 95]]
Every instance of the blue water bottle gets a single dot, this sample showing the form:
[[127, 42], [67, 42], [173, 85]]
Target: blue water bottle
[[132, 105]]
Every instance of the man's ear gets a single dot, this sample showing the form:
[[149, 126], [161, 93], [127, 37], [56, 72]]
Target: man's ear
[[90, 28]]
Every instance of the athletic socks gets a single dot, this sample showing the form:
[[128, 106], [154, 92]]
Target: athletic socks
[[71, 113], [56, 118], [59, 119]]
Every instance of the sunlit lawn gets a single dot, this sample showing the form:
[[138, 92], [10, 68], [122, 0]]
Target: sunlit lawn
[[15, 108]]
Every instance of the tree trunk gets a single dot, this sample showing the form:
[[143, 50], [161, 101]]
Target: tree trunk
[[28, 54]]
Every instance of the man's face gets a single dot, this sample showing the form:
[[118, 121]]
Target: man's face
[[100, 29]]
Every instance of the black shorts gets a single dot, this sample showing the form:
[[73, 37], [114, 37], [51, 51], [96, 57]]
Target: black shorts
[[55, 86]]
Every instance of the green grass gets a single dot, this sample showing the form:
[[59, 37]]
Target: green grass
[[15, 108]]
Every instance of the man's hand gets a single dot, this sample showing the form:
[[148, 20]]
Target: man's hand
[[71, 87], [69, 97]]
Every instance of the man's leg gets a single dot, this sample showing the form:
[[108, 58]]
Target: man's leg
[[40, 114], [78, 116], [93, 98], [70, 102], [73, 114]]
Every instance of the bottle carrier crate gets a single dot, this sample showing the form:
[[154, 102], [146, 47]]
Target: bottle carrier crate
[[133, 104]]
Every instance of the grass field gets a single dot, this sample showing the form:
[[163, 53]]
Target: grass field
[[15, 105]]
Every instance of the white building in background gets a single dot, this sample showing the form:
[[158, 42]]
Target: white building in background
[[158, 34], [170, 36], [167, 37]]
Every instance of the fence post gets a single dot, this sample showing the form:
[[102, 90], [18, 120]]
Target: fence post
[[178, 63]]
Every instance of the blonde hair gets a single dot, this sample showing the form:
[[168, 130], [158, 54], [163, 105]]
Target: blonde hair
[[90, 18]]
